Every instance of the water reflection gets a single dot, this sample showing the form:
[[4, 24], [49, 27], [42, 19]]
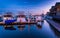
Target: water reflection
[[29, 31], [9, 27], [21, 27], [57, 33]]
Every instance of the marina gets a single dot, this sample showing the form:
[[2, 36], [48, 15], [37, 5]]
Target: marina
[[29, 18], [29, 31]]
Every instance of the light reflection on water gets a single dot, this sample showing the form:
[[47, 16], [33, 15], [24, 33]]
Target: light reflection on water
[[29, 31]]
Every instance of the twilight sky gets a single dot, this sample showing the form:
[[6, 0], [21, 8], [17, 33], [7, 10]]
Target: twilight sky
[[33, 6]]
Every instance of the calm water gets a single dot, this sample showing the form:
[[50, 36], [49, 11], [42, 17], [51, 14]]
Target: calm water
[[29, 31]]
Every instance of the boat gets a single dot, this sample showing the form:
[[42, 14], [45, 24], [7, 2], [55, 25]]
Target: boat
[[21, 18], [8, 19]]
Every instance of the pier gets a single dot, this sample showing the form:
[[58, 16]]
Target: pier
[[18, 23]]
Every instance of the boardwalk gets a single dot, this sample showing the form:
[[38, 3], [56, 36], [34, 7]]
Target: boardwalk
[[54, 24]]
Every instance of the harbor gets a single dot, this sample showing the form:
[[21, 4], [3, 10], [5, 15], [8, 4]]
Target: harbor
[[30, 30], [35, 28], [29, 18]]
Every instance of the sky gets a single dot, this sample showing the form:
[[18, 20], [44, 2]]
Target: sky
[[28, 6]]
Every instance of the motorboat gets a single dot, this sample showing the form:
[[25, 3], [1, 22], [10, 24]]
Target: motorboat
[[21, 18]]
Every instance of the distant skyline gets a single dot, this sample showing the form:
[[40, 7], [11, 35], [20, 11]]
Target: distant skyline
[[33, 6]]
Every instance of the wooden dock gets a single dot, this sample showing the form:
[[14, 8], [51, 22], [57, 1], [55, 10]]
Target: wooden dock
[[18, 23]]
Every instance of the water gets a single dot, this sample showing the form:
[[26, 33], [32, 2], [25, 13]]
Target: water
[[29, 31]]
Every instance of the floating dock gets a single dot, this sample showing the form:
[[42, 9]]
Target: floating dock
[[18, 23]]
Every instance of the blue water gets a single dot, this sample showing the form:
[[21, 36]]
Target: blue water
[[30, 31]]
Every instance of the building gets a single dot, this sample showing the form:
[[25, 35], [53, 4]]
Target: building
[[55, 10], [52, 11], [57, 5]]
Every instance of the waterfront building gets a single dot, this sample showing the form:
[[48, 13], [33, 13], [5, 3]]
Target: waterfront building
[[52, 11], [57, 5], [55, 10]]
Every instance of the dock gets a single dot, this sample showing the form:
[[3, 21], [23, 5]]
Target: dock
[[18, 23]]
